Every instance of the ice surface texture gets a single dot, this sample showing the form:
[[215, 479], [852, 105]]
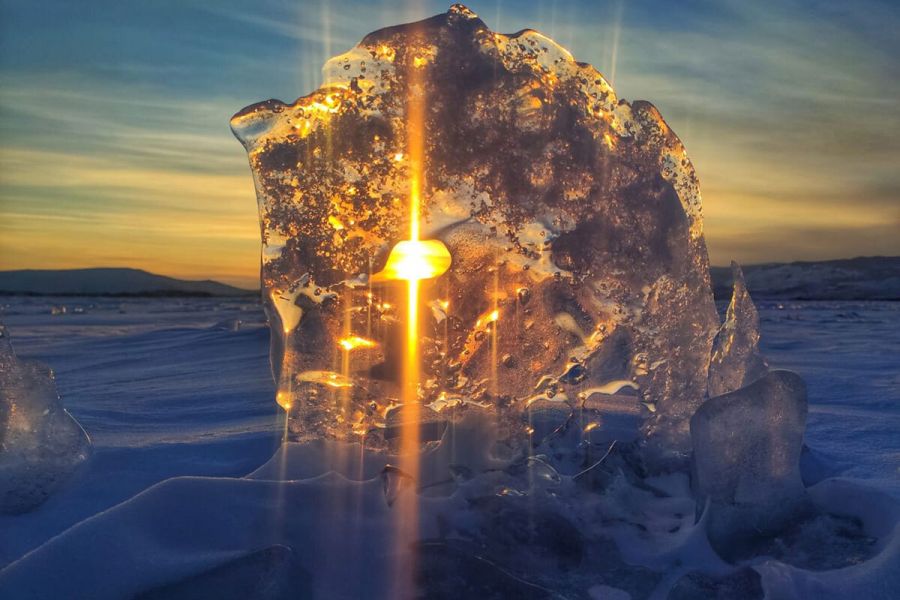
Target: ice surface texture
[[267, 574], [41, 445], [303, 529], [747, 447], [576, 212], [174, 538]]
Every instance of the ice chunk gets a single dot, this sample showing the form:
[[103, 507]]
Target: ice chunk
[[842, 552], [395, 482], [41, 445], [736, 360], [747, 446], [572, 219], [232, 325]]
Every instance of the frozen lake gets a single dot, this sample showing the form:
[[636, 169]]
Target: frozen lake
[[167, 387]]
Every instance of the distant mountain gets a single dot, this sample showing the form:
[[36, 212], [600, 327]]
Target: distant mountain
[[863, 278], [108, 282]]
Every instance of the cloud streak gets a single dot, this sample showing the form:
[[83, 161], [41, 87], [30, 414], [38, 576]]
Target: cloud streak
[[114, 145]]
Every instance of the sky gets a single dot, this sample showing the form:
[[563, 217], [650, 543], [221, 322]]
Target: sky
[[115, 148]]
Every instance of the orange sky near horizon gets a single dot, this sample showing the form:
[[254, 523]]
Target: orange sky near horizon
[[115, 149]]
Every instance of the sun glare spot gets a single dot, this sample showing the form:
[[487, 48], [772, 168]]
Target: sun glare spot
[[354, 341], [413, 260]]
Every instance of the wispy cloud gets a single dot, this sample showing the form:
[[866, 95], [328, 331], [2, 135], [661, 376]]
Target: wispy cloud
[[71, 210], [114, 144], [789, 112]]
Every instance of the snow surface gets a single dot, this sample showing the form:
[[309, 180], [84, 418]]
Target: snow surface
[[168, 388]]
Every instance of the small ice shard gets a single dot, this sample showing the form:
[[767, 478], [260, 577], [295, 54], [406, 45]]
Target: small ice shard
[[747, 446], [539, 468], [232, 325], [41, 445], [736, 360], [395, 482]]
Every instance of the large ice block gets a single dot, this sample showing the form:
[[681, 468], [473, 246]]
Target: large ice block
[[572, 218], [746, 459], [41, 444]]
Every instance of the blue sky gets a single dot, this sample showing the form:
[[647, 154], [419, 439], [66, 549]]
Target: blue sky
[[115, 148]]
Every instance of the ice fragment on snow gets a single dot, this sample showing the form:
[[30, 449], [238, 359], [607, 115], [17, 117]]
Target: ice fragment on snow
[[41, 445], [736, 360], [746, 460], [395, 482]]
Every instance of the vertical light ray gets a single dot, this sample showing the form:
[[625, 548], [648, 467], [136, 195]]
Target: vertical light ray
[[325, 11], [495, 360], [346, 332], [617, 28], [279, 491], [416, 149], [407, 501], [369, 302]]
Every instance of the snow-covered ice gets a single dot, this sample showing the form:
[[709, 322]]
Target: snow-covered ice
[[159, 388], [746, 459], [200, 409]]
